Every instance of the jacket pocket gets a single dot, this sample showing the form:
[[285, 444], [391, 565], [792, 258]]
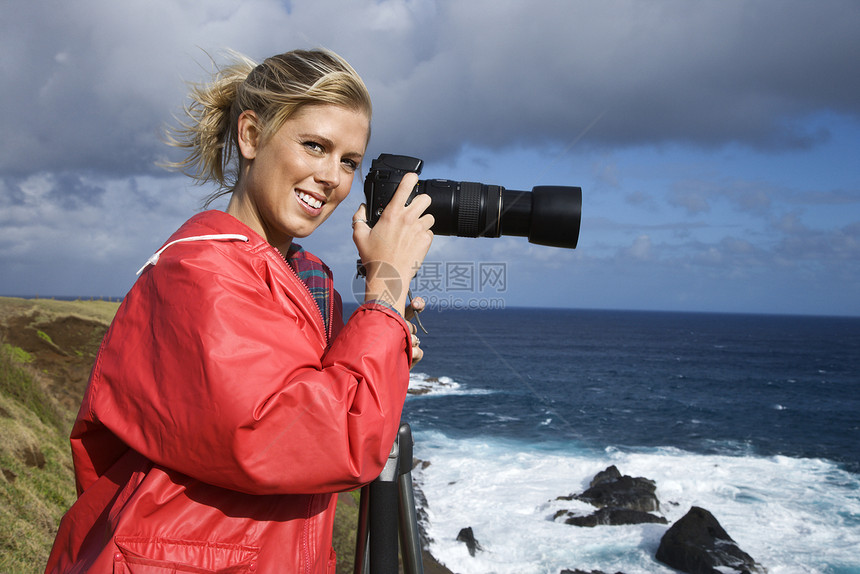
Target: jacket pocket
[[162, 556]]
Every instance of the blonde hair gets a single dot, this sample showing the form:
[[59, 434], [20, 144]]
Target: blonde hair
[[274, 91]]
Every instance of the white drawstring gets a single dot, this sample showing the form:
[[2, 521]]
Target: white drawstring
[[226, 236]]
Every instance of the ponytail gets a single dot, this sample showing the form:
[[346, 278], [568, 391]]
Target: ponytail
[[208, 133]]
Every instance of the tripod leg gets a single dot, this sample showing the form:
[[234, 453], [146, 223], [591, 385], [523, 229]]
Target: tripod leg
[[361, 565], [386, 503], [382, 518], [410, 539], [383, 527]]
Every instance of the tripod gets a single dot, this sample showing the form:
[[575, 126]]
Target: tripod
[[386, 504]]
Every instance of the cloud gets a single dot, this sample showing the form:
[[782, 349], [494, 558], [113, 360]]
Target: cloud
[[800, 244], [92, 82], [706, 73], [54, 243], [698, 196], [641, 248]]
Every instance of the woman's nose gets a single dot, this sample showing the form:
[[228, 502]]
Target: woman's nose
[[328, 172]]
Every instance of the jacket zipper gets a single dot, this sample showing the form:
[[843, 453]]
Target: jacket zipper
[[330, 311], [319, 313]]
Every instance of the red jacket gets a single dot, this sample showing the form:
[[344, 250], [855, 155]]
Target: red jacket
[[220, 417]]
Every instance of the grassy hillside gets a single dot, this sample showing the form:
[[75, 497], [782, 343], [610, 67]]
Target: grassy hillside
[[47, 348]]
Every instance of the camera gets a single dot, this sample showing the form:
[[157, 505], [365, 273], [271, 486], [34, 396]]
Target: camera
[[548, 215]]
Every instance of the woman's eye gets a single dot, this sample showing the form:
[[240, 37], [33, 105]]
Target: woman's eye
[[313, 146], [350, 164]]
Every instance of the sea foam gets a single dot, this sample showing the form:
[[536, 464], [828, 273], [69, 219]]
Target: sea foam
[[780, 510], [421, 384]]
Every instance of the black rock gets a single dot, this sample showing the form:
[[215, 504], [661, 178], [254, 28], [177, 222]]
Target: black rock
[[608, 475], [422, 517], [621, 499], [615, 517], [610, 489], [466, 535], [697, 544]]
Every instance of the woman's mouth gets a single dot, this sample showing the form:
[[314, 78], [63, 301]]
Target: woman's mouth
[[309, 200]]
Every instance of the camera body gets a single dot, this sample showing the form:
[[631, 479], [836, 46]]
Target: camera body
[[549, 215]]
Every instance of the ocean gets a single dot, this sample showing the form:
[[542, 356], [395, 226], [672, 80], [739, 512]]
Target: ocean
[[755, 418]]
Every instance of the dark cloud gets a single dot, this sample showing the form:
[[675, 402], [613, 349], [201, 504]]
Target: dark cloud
[[698, 196], [801, 244], [90, 84], [72, 190], [706, 73]]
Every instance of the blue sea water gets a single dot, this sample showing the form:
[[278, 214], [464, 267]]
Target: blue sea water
[[753, 417]]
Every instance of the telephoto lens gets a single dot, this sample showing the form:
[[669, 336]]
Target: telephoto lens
[[548, 215]]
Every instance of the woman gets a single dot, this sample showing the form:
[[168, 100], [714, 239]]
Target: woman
[[228, 401]]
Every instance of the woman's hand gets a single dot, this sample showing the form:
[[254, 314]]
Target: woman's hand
[[394, 249]]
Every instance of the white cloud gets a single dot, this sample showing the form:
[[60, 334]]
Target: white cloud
[[641, 248]]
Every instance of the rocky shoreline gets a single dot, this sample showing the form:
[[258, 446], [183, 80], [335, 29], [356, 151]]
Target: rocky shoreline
[[694, 544]]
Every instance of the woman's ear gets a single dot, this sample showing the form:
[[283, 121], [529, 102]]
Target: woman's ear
[[248, 134]]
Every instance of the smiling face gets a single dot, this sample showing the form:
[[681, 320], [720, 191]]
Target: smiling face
[[291, 183]]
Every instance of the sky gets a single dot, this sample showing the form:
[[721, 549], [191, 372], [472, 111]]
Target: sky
[[715, 141]]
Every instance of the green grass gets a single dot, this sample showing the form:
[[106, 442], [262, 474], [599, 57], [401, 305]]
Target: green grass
[[17, 354], [36, 482], [343, 539], [17, 384], [45, 337]]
